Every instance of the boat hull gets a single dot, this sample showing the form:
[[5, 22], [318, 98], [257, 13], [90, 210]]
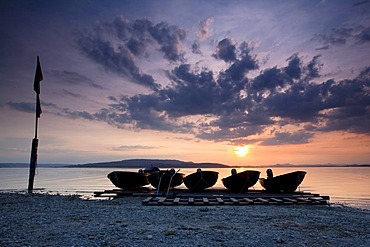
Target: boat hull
[[286, 183], [128, 180], [240, 182], [199, 181], [151, 169], [161, 180]]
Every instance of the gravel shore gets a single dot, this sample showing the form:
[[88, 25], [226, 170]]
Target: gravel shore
[[50, 220]]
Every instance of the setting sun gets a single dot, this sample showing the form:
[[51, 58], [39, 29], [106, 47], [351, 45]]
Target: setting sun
[[241, 151]]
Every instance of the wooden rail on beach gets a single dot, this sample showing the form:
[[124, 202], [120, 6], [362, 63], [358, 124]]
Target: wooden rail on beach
[[246, 200], [218, 197]]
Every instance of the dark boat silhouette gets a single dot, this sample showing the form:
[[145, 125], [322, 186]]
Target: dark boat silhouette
[[286, 183], [162, 180], [240, 182], [200, 180], [128, 180], [150, 169]]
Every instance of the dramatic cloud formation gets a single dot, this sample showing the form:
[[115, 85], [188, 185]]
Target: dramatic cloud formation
[[227, 104], [118, 45]]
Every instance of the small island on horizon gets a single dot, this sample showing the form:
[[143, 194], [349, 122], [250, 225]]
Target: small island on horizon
[[161, 163]]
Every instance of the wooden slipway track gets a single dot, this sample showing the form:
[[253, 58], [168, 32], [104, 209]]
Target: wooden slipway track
[[217, 197]]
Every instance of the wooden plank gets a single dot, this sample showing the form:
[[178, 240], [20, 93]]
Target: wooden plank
[[205, 200], [220, 200], [326, 197], [289, 200], [260, 200], [199, 202], [309, 194], [213, 201], [248, 200], [146, 200], [275, 200], [176, 201], [191, 200], [242, 202], [234, 201], [161, 200], [303, 200], [316, 198]]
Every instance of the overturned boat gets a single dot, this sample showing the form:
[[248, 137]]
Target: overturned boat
[[286, 183], [150, 169], [240, 182], [128, 180], [200, 180], [163, 180]]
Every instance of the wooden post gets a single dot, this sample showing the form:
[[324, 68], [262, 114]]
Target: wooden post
[[35, 141], [33, 163]]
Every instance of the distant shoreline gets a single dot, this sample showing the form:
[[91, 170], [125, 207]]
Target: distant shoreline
[[164, 163]]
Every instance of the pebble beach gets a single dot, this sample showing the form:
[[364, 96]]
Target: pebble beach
[[55, 220]]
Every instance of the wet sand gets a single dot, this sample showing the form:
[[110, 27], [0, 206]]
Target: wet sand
[[52, 220]]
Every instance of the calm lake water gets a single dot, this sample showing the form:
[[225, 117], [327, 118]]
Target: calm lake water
[[345, 185]]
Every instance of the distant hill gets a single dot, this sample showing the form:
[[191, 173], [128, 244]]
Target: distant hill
[[13, 165], [142, 163]]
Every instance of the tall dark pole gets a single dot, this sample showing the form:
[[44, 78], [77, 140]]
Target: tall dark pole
[[33, 162], [35, 141]]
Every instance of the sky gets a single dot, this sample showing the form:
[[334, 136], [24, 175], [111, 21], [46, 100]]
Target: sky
[[233, 82]]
